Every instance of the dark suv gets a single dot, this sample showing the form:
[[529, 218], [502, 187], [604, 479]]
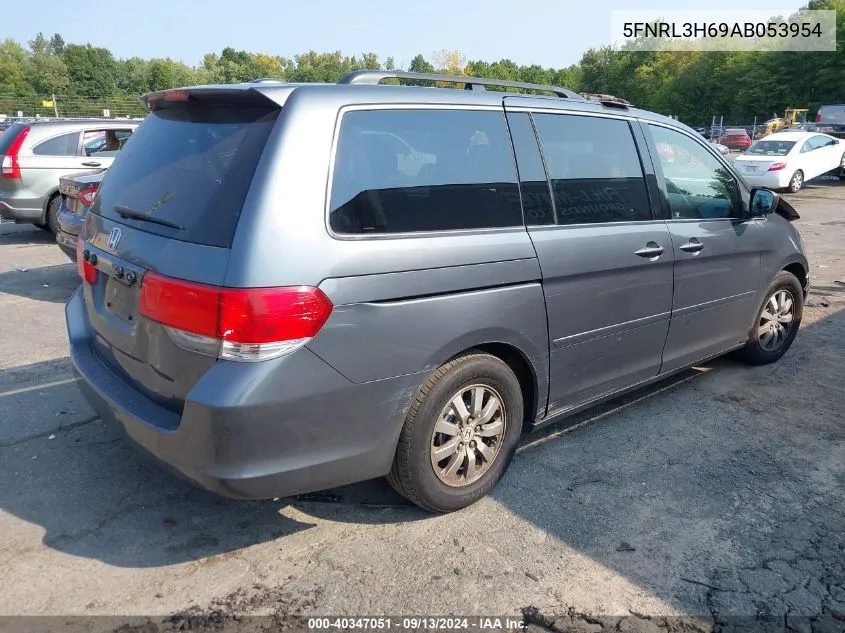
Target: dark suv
[[294, 287]]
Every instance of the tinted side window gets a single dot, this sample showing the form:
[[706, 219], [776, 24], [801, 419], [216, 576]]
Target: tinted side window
[[403, 171], [64, 145], [698, 186], [533, 185], [594, 168]]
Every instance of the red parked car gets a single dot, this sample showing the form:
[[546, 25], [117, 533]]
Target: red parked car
[[736, 138]]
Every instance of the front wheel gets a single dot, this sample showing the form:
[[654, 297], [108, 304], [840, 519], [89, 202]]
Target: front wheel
[[460, 433], [796, 182], [777, 323]]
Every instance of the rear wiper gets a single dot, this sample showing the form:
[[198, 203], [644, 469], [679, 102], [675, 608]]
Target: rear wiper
[[126, 212]]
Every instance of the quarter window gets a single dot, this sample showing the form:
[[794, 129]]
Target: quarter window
[[698, 185], [594, 169], [405, 171], [64, 145]]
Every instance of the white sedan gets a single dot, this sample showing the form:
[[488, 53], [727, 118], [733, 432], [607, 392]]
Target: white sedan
[[786, 160]]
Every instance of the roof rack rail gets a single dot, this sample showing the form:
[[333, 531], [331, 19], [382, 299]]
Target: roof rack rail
[[264, 80], [375, 77]]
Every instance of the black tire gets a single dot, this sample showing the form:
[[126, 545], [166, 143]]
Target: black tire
[[754, 353], [412, 474], [52, 223], [796, 182]]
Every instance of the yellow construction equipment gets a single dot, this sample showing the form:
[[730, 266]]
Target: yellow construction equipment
[[791, 116]]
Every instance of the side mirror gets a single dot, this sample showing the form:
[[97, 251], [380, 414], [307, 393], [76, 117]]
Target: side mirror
[[763, 202]]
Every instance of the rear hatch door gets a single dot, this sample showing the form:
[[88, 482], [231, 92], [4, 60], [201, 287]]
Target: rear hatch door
[[169, 205]]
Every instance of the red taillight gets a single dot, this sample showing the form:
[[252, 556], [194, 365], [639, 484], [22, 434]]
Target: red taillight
[[86, 270], [777, 166], [245, 323], [11, 167], [818, 117], [87, 196]]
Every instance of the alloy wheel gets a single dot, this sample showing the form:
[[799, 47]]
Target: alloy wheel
[[776, 320], [468, 435]]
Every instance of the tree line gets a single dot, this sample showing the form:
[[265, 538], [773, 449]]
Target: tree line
[[694, 86]]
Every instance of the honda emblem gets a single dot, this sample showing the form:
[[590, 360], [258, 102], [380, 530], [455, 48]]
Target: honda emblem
[[114, 238]]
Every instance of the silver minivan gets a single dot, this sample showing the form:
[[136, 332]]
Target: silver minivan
[[288, 288], [34, 155]]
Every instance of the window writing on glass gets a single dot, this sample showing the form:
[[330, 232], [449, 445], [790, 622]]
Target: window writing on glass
[[403, 171], [594, 169], [698, 186]]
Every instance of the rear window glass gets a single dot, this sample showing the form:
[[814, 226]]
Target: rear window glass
[[64, 145], [771, 148], [8, 136], [188, 166], [404, 171]]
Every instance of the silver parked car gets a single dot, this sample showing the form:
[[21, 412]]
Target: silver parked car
[[35, 154], [291, 287]]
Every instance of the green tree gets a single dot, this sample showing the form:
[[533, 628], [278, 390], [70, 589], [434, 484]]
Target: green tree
[[92, 70], [14, 69]]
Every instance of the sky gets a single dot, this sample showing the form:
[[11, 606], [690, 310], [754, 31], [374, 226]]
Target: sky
[[547, 32]]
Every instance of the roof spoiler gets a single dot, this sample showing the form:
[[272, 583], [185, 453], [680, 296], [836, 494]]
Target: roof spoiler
[[242, 94]]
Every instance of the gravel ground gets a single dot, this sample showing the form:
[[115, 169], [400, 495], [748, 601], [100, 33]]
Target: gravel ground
[[713, 501]]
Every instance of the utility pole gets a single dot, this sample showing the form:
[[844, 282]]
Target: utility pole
[[55, 106]]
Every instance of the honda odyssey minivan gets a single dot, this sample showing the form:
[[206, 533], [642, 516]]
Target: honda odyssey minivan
[[288, 288]]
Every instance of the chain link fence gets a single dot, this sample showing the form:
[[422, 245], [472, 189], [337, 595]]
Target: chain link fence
[[31, 106]]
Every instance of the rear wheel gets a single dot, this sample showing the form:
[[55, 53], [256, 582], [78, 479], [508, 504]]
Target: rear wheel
[[52, 223], [778, 320], [796, 182], [460, 434]]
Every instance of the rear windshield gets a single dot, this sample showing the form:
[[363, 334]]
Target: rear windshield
[[8, 136], [735, 132], [188, 166], [771, 148]]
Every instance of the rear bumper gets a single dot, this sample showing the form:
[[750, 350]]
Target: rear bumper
[[67, 244], [770, 179], [27, 210], [69, 229], [255, 430]]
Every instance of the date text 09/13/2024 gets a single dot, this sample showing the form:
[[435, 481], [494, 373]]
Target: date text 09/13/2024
[[415, 623]]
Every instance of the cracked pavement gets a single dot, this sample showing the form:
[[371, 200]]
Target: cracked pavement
[[715, 501]]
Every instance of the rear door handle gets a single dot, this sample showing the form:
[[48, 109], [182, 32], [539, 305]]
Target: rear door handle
[[652, 250], [91, 163], [693, 246]]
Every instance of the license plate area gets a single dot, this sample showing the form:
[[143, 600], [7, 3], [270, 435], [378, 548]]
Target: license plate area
[[121, 300]]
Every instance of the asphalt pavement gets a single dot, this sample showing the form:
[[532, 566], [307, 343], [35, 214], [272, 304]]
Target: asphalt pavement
[[716, 495]]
